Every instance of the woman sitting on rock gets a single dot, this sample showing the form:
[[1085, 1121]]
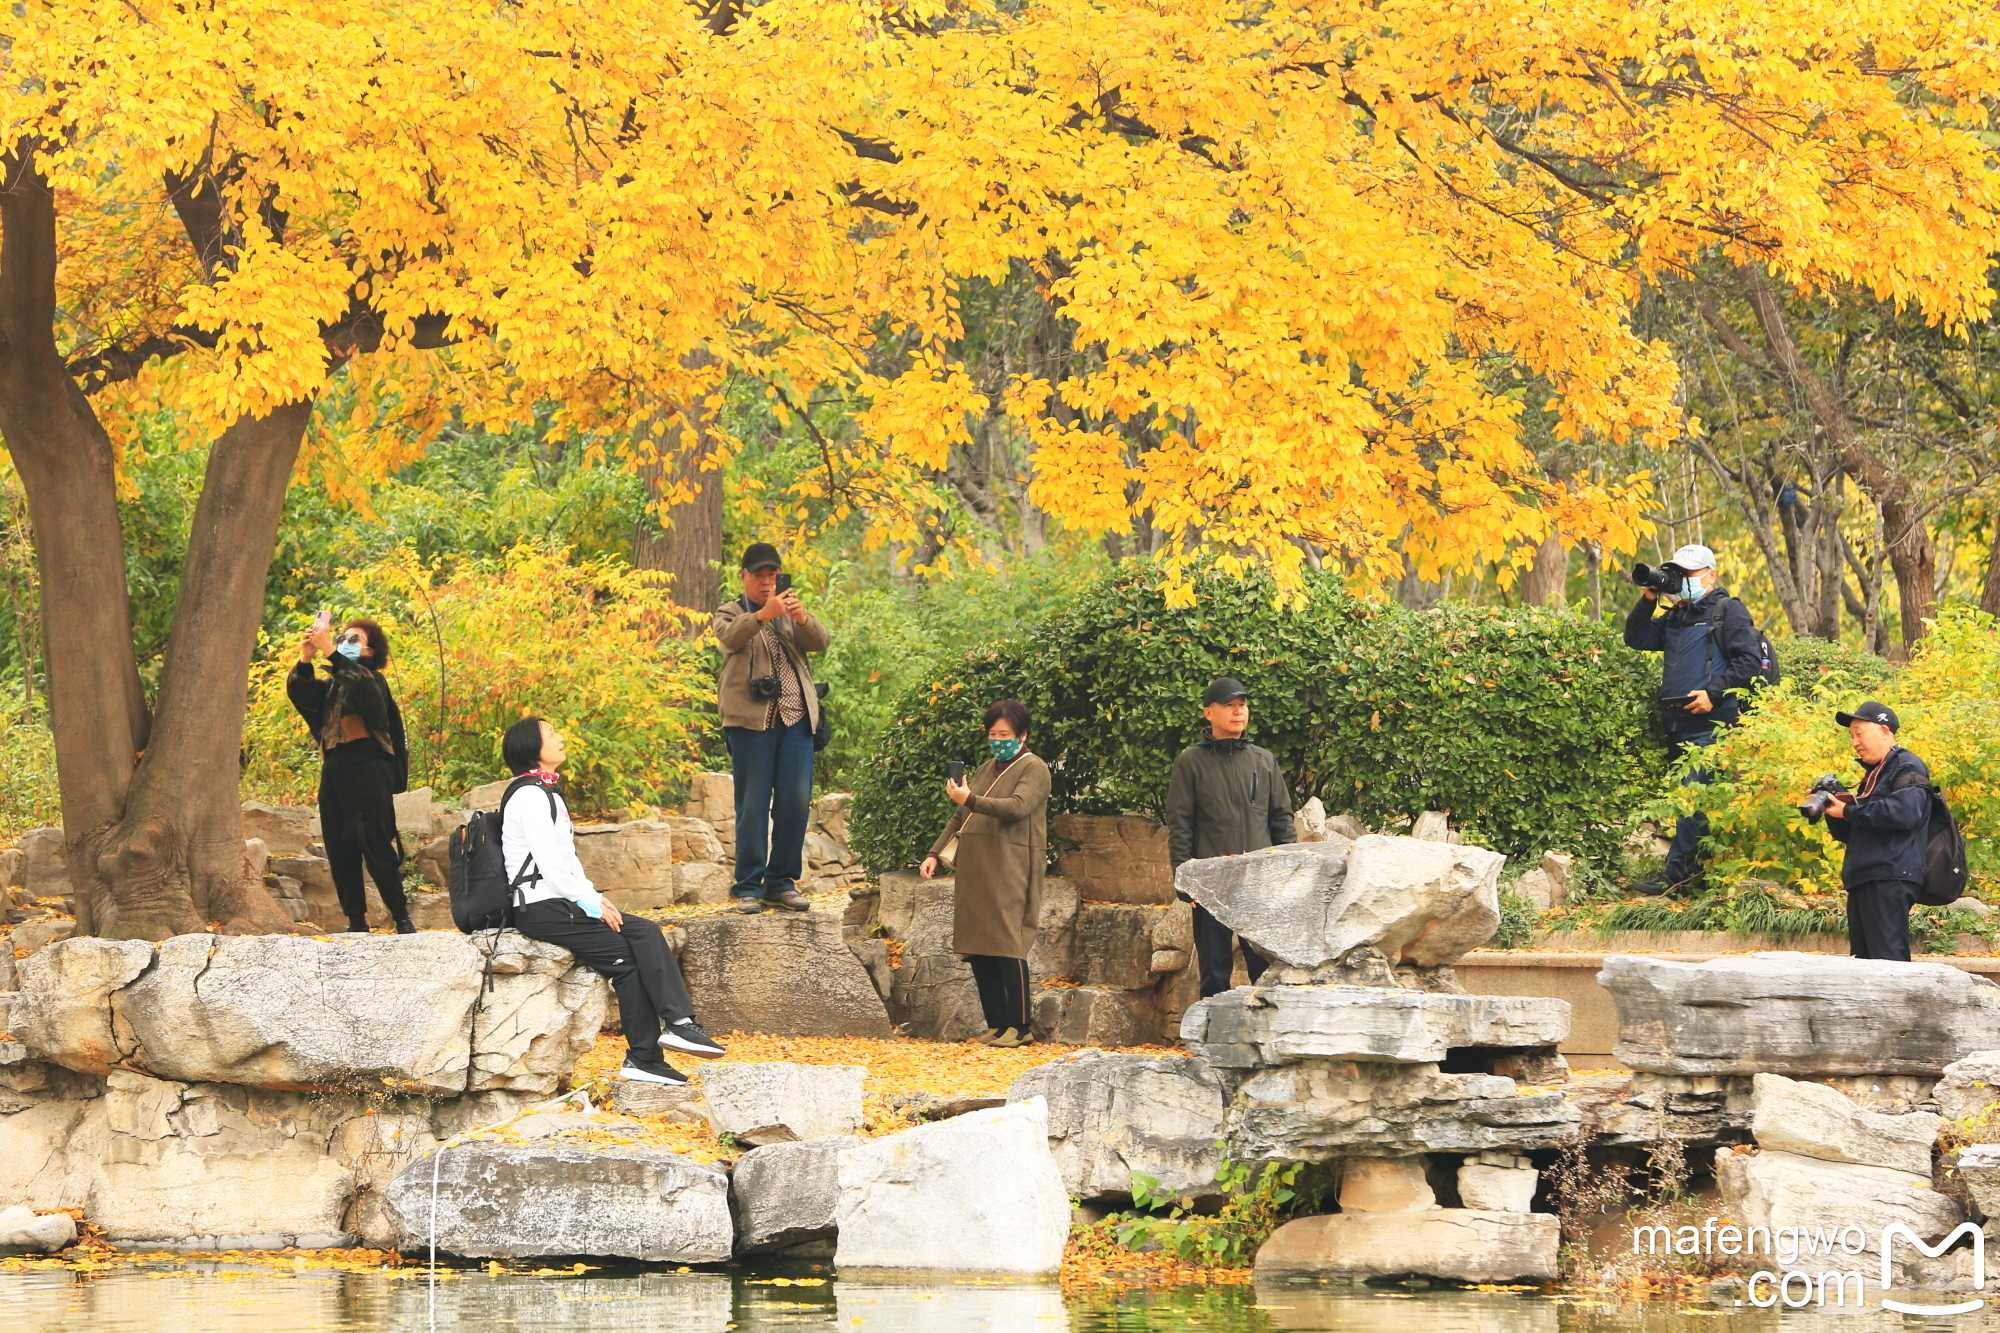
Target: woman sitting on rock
[[364, 762], [560, 906], [1002, 831]]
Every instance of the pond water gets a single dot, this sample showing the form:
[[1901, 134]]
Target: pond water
[[204, 1297]]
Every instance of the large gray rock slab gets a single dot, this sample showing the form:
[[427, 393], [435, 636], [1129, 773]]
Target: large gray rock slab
[[502, 1201], [788, 1194], [635, 862], [1816, 1121], [783, 1102], [1781, 1189], [1461, 1244], [1979, 1167], [1111, 1116], [1261, 1026], [783, 973], [1798, 1014], [45, 863], [1417, 903], [279, 1011], [1322, 1110], [980, 1193]]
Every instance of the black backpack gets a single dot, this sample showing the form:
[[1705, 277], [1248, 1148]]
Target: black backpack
[[1768, 670], [482, 897], [1944, 857]]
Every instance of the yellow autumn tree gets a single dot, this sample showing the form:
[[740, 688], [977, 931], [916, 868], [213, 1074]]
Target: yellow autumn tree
[[1307, 253]]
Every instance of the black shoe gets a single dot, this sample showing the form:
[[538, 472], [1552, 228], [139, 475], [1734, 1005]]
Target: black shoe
[[641, 1070], [687, 1035], [1646, 888], [361, 929], [789, 899], [405, 926]]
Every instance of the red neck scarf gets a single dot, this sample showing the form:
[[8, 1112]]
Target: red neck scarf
[[543, 776]]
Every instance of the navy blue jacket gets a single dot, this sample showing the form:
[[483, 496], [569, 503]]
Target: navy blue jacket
[[1887, 831], [1694, 661]]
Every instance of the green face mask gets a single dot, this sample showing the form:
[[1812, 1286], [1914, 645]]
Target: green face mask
[[1004, 750]]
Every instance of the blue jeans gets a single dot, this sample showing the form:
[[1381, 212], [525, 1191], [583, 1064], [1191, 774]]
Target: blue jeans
[[774, 778], [1684, 855]]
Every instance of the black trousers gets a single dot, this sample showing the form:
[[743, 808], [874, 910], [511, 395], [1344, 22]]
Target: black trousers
[[1878, 919], [357, 820], [636, 960], [1212, 942], [1003, 990]]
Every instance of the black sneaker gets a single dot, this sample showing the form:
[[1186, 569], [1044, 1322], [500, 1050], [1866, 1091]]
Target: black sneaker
[[687, 1035], [641, 1070], [405, 926]]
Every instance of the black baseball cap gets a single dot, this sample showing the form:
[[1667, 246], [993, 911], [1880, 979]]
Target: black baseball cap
[[1870, 712], [1223, 690], [761, 555]]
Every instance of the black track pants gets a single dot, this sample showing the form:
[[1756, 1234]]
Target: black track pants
[[1212, 943], [636, 960], [1003, 990], [357, 820]]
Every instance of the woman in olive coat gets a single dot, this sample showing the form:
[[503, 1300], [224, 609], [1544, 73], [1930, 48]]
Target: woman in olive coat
[[1002, 831]]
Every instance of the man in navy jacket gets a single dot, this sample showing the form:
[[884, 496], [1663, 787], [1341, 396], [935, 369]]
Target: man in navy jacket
[[1886, 826], [1705, 659]]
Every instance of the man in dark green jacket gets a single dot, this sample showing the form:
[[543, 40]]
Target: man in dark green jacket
[[1226, 797]]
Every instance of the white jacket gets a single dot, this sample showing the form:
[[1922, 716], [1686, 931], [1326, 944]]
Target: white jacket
[[527, 831]]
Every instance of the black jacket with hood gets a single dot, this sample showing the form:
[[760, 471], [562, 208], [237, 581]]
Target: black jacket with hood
[[1697, 660], [1887, 829]]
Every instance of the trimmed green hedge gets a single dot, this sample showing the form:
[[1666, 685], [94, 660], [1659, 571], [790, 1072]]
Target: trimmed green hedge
[[1534, 728]]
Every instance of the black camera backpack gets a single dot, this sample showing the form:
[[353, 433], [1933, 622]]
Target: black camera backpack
[[1768, 671], [1944, 857]]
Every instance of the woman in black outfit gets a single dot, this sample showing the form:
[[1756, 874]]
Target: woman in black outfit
[[364, 762]]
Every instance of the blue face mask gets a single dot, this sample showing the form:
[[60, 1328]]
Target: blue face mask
[[1004, 750], [350, 651]]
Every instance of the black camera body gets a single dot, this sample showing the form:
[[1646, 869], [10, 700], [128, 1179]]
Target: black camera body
[[1820, 796], [764, 687], [1663, 578]]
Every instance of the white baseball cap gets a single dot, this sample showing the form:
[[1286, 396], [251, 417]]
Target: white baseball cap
[[1692, 557]]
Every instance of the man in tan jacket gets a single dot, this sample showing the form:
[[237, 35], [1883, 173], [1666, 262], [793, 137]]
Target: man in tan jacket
[[770, 711]]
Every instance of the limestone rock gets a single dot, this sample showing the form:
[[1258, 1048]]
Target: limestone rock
[[1115, 945], [830, 815], [21, 1230], [1814, 1121], [1979, 1168], [1417, 903], [1498, 1189], [1096, 1016], [1782, 1189], [781, 1102], [712, 797], [1461, 1244], [1116, 858], [13, 868], [1970, 1087], [293, 1012], [34, 936], [501, 1201], [45, 863], [1385, 1185], [702, 882], [1259, 1027], [979, 1193], [1345, 826], [787, 1194], [681, 1105], [64, 1007], [634, 862], [1321, 1110], [823, 851], [1112, 1115], [418, 814], [1798, 1014], [1310, 820], [787, 974], [285, 830], [1431, 826], [1055, 949]]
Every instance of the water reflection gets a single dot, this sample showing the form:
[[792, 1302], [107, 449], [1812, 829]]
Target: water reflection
[[212, 1298]]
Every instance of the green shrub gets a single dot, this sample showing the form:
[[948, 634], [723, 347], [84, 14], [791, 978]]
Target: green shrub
[[1810, 663], [1532, 727]]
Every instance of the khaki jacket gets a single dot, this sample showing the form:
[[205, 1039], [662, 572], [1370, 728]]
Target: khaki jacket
[[747, 655], [1003, 848]]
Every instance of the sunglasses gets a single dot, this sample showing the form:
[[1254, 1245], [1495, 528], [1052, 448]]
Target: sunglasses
[[353, 636]]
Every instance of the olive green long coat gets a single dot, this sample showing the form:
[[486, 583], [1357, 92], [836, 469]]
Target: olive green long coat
[[1003, 846]]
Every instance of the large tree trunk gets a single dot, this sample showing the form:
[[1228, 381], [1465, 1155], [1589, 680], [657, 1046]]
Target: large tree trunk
[[174, 862], [686, 541], [1547, 581], [1989, 592], [97, 707]]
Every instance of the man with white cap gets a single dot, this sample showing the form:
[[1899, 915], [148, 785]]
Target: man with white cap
[[1711, 648]]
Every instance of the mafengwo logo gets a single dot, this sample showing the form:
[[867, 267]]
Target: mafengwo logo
[[1815, 1283]]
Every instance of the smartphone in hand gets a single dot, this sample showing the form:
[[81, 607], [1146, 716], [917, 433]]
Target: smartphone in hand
[[324, 621], [955, 770], [784, 584]]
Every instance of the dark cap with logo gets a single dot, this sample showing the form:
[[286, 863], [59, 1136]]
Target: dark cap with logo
[[1223, 690], [1870, 712], [761, 555]]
